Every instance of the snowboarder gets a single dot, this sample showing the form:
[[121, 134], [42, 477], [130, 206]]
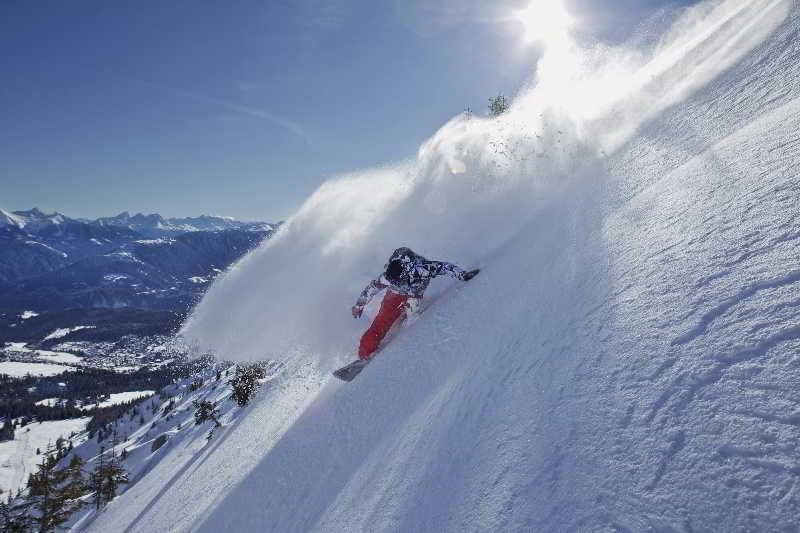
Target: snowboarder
[[405, 276]]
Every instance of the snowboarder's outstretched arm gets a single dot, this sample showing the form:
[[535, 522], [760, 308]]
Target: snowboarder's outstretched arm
[[441, 267], [374, 287]]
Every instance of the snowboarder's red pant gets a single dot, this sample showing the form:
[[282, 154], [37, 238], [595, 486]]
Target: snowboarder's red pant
[[392, 308]]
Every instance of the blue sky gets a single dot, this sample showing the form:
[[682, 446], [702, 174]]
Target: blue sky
[[243, 108]]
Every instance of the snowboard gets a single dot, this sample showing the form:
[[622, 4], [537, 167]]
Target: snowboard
[[349, 372]]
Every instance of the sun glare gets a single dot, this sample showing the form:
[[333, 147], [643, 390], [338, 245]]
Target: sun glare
[[544, 21]]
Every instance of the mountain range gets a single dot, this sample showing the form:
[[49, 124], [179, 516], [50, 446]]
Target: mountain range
[[52, 265], [153, 225]]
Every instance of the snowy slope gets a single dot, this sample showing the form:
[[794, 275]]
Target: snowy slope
[[168, 415], [18, 457], [628, 360]]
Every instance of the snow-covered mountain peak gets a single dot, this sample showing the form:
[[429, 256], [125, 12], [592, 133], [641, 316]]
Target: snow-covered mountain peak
[[150, 225], [32, 220], [155, 225], [8, 218], [34, 212]]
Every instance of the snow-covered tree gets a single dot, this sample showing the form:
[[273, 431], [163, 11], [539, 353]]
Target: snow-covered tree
[[44, 495], [498, 105], [107, 476], [204, 411], [245, 382], [75, 485], [14, 516]]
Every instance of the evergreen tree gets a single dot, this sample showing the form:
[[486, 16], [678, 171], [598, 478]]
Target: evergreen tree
[[76, 486], [5, 513], [113, 475], [498, 105], [44, 497], [7, 431], [245, 382], [106, 478], [204, 411], [96, 480], [15, 516]]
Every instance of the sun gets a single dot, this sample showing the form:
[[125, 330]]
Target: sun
[[544, 21]]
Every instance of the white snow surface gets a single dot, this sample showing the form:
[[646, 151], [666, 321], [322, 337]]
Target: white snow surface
[[18, 369], [155, 241], [17, 346], [37, 243], [63, 332], [50, 402], [120, 397], [48, 355], [59, 357], [627, 360], [18, 457]]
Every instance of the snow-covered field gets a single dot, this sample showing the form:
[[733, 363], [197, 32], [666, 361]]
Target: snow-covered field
[[16, 346], [55, 357], [59, 357], [18, 370], [50, 402], [120, 397], [18, 457], [113, 399], [126, 368], [627, 360]]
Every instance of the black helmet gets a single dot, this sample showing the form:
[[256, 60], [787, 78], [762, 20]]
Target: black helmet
[[395, 271]]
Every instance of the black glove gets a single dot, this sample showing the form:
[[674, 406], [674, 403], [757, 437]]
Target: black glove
[[356, 311], [469, 275]]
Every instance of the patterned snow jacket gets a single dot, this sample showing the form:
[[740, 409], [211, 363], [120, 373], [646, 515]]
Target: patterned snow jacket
[[409, 274]]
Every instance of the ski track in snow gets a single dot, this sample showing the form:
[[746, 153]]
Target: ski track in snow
[[627, 360]]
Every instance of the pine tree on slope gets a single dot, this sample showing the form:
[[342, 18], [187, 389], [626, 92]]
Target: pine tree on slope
[[46, 502], [106, 478]]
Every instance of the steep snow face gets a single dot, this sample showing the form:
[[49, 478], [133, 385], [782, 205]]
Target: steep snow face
[[628, 359], [472, 187]]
